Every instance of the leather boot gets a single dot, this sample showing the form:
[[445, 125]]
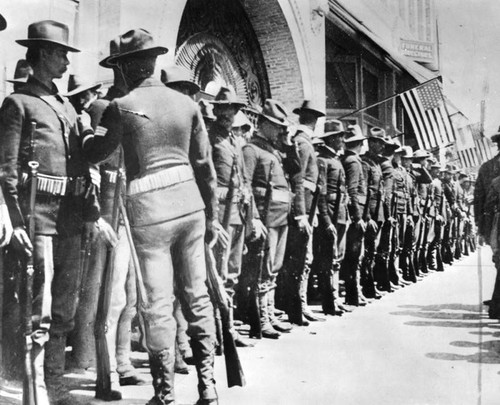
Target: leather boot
[[203, 352], [339, 307], [180, 366], [271, 313], [267, 329], [306, 312], [55, 352], [327, 297], [38, 359], [162, 370], [431, 257]]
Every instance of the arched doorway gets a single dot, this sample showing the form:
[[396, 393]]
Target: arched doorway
[[217, 43]]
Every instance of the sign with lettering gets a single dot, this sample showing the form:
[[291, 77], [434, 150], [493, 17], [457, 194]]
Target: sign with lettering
[[422, 51]]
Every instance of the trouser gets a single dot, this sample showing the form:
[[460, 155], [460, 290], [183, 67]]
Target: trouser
[[228, 260], [174, 250], [297, 262], [495, 297], [328, 255], [351, 264], [372, 239], [182, 339]]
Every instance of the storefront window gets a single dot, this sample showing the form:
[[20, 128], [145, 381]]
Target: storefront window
[[370, 92], [341, 85]]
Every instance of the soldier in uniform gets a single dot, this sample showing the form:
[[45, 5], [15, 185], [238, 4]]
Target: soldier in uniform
[[374, 182], [261, 156], [21, 74], [300, 239], [356, 190], [329, 236], [172, 207], [434, 259], [487, 172], [61, 205], [231, 174]]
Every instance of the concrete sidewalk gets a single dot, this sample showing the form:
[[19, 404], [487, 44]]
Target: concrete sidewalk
[[417, 346]]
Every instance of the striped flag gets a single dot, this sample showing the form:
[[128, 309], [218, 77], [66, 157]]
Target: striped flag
[[485, 149], [429, 118], [469, 157]]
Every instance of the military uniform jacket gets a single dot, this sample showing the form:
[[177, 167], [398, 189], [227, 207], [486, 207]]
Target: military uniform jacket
[[304, 183], [491, 207], [225, 149], [110, 166], [374, 181], [401, 189], [422, 181], [334, 190], [58, 152], [258, 156], [487, 172], [355, 184], [438, 202], [159, 128]]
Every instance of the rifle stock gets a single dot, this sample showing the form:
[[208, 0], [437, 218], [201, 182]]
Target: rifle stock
[[29, 392], [234, 371], [103, 368], [424, 231]]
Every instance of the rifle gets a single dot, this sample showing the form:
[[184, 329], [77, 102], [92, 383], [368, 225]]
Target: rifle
[[424, 233], [228, 201], [103, 382], [335, 216], [262, 249], [216, 289], [467, 233], [458, 249], [29, 391], [406, 258], [437, 230]]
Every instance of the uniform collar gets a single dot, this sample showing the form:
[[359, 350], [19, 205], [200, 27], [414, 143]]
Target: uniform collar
[[262, 142], [306, 130], [37, 88]]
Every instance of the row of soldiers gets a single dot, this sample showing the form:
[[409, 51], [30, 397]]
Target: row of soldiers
[[278, 205]]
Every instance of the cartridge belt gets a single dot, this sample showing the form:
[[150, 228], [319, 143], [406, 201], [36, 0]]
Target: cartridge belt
[[282, 196], [59, 185], [161, 179], [310, 185]]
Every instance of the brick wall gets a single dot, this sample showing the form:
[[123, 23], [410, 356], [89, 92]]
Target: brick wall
[[278, 50]]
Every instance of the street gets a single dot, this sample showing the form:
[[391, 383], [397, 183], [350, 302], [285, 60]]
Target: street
[[419, 345]]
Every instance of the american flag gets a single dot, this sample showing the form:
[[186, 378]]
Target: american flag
[[425, 107]]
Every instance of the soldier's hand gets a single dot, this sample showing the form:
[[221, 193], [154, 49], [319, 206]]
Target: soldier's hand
[[215, 233], [332, 231], [361, 225], [84, 120], [21, 242], [304, 225], [95, 176], [105, 232], [5, 226], [259, 230]]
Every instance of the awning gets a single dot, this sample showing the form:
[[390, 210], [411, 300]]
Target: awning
[[345, 19]]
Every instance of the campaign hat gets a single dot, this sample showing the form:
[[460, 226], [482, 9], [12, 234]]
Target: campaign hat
[[396, 144], [241, 120], [332, 128], [275, 112], [114, 49], [136, 42], [207, 110], [227, 96], [309, 106], [354, 134], [179, 75], [77, 84], [22, 72], [407, 152], [316, 140], [379, 133], [421, 154], [496, 136], [49, 32]]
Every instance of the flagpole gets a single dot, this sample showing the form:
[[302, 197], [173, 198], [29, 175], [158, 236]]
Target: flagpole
[[385, 100]]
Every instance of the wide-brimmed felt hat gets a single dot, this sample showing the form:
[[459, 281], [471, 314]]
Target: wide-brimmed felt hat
[[175, 75], [496, 136], [207, 110], [309, 106], [241, 120], [3, 23], [48, 31], [407, 152], [316, 140], [332, 128], [275, 112], [354, 134], [227, 96], [379, 134], [421, 154], [134, 43], [397, 145], [436, 165], [77, 84], [114, 49], [22, 72]]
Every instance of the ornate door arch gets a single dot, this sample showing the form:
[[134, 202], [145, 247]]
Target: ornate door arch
[[217, 43]]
